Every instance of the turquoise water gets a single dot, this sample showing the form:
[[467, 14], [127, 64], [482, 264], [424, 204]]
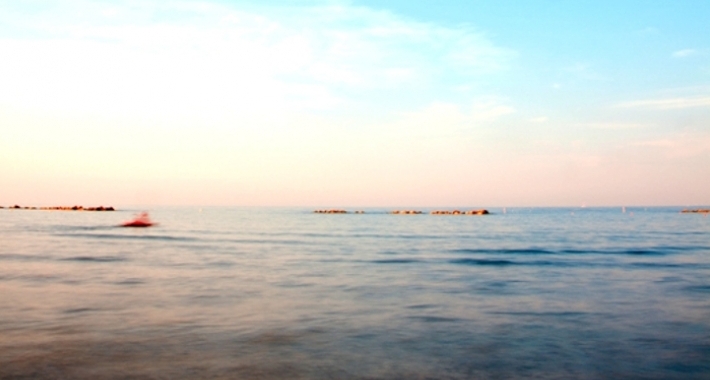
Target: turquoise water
[[288, 294]]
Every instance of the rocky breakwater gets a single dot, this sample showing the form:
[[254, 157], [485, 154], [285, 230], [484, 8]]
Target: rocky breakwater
[[336, 211], [459, 212], [696, 211], [406, 212], [330, 211], [63, 208]]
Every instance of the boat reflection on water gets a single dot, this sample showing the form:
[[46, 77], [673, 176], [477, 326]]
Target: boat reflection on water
[[141, 220]]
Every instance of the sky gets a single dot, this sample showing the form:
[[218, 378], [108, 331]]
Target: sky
[[348, 103]]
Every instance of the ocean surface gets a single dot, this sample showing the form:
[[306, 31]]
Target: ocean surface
[[277, 293]]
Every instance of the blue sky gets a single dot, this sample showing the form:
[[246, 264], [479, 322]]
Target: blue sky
[[355, 103]]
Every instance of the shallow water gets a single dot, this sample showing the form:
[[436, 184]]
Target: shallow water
[[285, 293]]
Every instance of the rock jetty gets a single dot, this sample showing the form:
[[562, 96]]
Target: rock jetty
[[410, 212], [459, 212], [696, 211], [63, 208]]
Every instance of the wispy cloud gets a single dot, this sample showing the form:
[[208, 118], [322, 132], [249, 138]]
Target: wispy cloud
[[447, 119], [221, 57], [613, 125], [583, 70], [685, 145], [579, 67], [488, 111], [674, 103], [684, 53]]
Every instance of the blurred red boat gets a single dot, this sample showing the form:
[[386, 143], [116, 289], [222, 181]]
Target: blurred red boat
[[142, 220]]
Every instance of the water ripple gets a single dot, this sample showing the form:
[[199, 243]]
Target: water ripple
[[130, 237], [98, 259], [396, 261], [658, 251]]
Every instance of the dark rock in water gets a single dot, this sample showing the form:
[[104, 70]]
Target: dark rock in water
[[696, 211], [64, 208], [458, 212]]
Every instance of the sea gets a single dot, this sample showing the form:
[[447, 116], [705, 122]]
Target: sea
[[285, 293]]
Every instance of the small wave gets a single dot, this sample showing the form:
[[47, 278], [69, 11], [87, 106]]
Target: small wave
[[656, 265], [492, 262], [221, 264], [670, 265], [513, 251], [263, 241], [396, 261], [658, 251], [502, 263], [81, 228], [554, 314], [633, 251], [20, 257], [131, 237], [434, 319], [644, 252], [79, 310], [685, 248], [698, 288], [98, 259], [421, 306], [362, 235]]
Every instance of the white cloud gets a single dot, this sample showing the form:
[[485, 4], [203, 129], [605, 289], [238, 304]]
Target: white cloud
[[664, 104], [272, 98], [488, 111], [583, 70], [679, 146], [684, 53], [579, 67], [614, 125], [209, 57], [449, 119], [648, 31]]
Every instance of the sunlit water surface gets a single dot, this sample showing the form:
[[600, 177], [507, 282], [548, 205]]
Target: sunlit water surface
[[287, 294]]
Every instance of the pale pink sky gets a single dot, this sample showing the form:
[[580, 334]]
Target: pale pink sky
[[202, 103]]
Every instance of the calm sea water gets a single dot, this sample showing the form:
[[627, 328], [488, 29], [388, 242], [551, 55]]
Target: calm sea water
[[287, 294]]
